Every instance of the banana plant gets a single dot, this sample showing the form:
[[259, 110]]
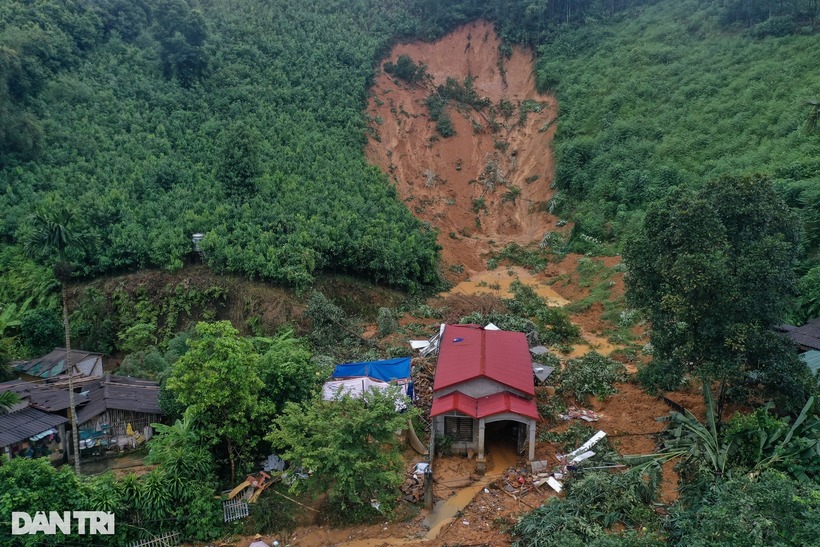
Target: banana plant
[[800, 442], [10, 316], [692, 439], [7, 400]]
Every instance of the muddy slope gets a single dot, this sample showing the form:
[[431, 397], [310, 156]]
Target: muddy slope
[[490, 155]]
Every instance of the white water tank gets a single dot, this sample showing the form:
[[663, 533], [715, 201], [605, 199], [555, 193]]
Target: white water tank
[[196, 238]]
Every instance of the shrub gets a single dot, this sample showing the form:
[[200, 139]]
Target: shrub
[[592, 374], [272, 513], [41, 330], [594, 503], [658, 376], [406, 69], [148, 363], [769, 509], [511, 195], [350, 446], [386, 322]]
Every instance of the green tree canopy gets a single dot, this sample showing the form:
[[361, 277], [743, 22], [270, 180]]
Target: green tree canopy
[[349, 445], [217, 381], [288, 371], [238, 160], [713, 269]]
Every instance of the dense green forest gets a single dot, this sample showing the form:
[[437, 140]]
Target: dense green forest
[[154, 120], [672, 97]]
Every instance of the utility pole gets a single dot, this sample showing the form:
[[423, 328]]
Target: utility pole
[[75, 431]]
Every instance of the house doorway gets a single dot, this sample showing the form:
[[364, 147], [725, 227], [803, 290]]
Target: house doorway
[[501, 444]]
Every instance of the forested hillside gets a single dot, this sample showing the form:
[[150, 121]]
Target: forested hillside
[[242, 120], [674, 97], [653, 256], [654, 95], [156, 119]]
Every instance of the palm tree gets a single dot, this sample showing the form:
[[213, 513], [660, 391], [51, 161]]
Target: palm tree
[[54, 233], [7, 400]]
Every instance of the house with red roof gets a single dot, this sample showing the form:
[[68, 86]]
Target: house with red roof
[[484, 379]]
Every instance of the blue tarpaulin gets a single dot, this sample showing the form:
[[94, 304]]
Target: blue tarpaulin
[[387, 370]]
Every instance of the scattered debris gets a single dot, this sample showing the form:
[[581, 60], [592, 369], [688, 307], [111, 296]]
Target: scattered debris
[[539, 350], [274, 463], [420, 468], [580, 414], [539, 466], [433, 343], [542, 372], [554, 484], [413, 487]]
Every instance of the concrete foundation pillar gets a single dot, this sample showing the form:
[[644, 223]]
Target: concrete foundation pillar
[[481, 460], [481, 439], [531, 427]]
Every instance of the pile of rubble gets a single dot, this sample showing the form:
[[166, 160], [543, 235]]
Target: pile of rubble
[[423, 371], [413, 487], [541, 475]]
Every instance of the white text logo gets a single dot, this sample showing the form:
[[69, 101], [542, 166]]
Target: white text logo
[[86, 522]]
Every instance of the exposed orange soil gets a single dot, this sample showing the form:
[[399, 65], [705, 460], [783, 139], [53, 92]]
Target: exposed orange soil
[[498, 281], [436, 176]]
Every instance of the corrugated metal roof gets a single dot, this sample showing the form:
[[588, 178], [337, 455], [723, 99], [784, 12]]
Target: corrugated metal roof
[[506, 402], [812, 359], [20, 387], [497, 403], [52, 364], [120, 393], [454, 401], [806, 336], [42, 396], [469, 352], [25, 423]]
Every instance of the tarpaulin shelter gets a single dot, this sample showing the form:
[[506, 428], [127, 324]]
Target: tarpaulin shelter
[[385, 370], [355, 387], [356, 378]]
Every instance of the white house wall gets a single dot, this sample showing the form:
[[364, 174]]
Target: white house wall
[[480, 387]]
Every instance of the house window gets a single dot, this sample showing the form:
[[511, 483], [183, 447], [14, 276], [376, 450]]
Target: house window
[[459, 429]]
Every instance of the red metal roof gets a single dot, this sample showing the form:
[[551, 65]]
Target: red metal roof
[[454, 401], [468, 352], [507, 402], [482, 407]]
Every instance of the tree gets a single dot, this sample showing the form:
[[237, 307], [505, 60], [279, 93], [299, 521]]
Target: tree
[[216, 380], [349, 445], [187, 470], [34, 484], [41, 330], [288, 371], [55, 233], [747, 509], [713, 270], [239, 165], [813, 119]]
